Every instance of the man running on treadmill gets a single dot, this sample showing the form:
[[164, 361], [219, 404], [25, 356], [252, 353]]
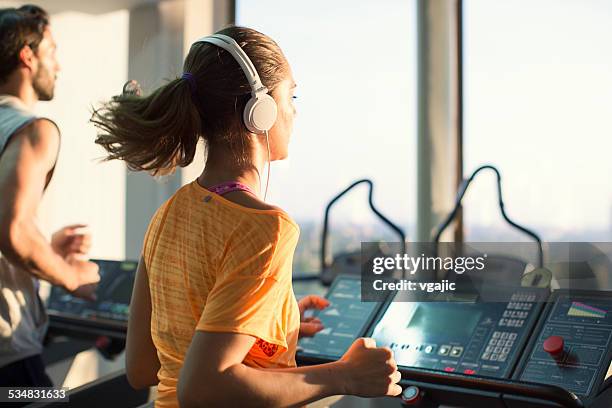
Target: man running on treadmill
[[29, 146]]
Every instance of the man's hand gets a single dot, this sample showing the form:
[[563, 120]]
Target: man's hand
[[309, 326], [71, 240], [87, 277]]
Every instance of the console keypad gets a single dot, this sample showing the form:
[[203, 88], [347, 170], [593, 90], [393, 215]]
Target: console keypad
[[499, 346], [517, 310], [523, 297]]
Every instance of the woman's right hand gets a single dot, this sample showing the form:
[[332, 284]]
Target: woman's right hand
[[369, 371]]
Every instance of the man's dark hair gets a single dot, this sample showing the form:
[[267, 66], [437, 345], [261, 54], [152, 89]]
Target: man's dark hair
[[18, 28]]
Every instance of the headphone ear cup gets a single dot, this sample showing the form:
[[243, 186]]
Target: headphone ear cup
[[260, 113]]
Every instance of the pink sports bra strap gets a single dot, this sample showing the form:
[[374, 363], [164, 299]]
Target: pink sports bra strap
[[230, 186]]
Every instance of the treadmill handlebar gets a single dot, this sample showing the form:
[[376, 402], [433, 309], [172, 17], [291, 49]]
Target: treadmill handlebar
[[324, 235], [425, 379], [458, 200], [509, 387]]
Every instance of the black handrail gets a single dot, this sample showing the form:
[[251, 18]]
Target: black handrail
[[325, 233], [435, 379], [461, 192], [507, 387]]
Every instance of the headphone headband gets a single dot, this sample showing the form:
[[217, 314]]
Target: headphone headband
[[231, 46], [260, 110]]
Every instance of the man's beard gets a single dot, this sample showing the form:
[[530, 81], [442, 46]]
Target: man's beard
[[43, 84]]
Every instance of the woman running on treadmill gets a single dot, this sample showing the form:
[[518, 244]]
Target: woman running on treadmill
[[213, 319]]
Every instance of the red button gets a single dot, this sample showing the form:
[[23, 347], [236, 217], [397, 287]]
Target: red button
[[554, 345], [102, 342], [449, 369], [468, 371]]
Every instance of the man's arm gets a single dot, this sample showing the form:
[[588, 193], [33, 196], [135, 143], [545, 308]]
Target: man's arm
[[141, 361], [24, 165]]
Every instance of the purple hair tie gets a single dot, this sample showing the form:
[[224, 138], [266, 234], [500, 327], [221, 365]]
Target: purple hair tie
[[192, 82]]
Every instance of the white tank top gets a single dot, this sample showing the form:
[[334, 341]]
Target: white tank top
[[23, 320]]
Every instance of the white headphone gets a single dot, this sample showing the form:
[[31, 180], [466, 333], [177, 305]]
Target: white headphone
[[260, 111]]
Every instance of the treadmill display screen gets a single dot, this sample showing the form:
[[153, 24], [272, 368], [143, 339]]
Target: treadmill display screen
[[437, 319], [113, 295], [345, 319]]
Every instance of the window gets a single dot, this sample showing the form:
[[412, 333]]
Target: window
[[355, 66], [538, 93]]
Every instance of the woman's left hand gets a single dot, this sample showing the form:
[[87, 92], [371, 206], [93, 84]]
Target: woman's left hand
[[309, 326]]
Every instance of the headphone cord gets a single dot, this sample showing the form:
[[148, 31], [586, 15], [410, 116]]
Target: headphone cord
[[268, 176]]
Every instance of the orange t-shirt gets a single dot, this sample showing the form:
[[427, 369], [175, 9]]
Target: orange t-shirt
[[214, 265]]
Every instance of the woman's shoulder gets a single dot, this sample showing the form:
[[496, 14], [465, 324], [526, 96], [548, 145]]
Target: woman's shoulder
[[246, 208], [271, 218], [249, 201], [264, 223]]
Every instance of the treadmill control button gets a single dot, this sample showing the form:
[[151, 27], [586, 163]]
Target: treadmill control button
[[444, 350], [469, 371], [411, 395], [429, 349], [554, 345], [456, 351]]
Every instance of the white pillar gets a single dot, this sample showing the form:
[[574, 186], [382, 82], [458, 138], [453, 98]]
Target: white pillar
[[438, 147], [84, 189]]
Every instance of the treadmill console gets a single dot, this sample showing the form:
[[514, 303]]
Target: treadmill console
[[536, 350], [108, 313], [469, 338], [572, 345]]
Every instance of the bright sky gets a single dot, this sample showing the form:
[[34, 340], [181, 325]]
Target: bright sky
[[538, 97], [538, 89]]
